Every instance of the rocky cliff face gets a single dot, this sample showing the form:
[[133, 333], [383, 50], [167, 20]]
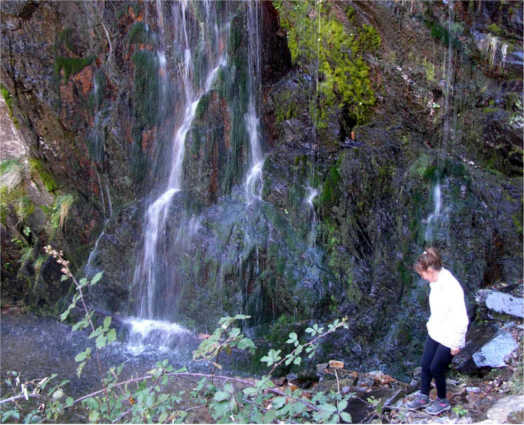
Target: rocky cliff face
[[349, 184]]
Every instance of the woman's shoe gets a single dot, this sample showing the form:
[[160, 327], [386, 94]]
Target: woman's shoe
[[438, 406], [420, 401]]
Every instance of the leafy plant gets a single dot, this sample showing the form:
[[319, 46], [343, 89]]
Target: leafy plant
[[459, 410], [148, 398]]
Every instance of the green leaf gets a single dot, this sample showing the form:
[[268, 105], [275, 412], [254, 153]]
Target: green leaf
[[272, 357], [111, 336], [58, 394], [93, 416], [297, 361], [80, 325], [269, 417], [346, 417], [234, 333], [101, 341], [65, 314], [83, 355], [220, 410], [98, 331], [278, 402], [250, 391], [241, 317], [69, 401], [11, 414], [292, 338], [107, 322], [80, 368], [222, 396], [246, 344], [96, 278], [329, 408], [264, 383], [319, 398]]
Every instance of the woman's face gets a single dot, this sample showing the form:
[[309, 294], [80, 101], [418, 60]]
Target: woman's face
[[430, 274]]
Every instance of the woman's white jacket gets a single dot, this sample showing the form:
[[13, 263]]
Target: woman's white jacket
[[448, 321]]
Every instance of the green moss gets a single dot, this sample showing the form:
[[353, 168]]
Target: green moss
[[146, 88], [350, 12], [139, 33], [37, 167], [64, 39], [343, 73], [353, 292], [202, 106], [330, 190], [58, 212], [9, 102], [71, 66], [429, 68], [495, 29], [15, 199], [285, 106], [442, 34], [9, 165]]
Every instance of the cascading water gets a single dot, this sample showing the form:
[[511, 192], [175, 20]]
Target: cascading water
[[151, 270], [434, 217], [254, 182], [311, 195]]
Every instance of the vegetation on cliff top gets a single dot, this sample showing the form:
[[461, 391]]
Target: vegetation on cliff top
[[336, 46]]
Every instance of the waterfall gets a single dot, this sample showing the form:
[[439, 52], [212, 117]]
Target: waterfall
[[151, 272], [311, 195], [433, 218], [254, 182]]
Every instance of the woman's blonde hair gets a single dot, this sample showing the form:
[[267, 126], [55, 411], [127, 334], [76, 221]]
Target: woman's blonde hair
[[429, 258]]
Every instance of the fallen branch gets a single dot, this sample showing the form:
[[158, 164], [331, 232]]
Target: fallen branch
[[18, 397], [198, 375]]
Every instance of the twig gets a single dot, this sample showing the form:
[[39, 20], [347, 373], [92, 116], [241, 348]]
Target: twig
[[392, 398], [18, 397], [117, 420], [198, 375]]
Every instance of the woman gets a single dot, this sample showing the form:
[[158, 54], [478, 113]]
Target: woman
[[446, 326]]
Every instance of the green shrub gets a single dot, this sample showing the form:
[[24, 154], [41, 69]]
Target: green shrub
[[37, 167], [316, 37]]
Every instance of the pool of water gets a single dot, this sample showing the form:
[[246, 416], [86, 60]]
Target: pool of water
[[37, 347]]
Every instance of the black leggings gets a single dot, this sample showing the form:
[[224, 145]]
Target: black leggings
[[435, 362]]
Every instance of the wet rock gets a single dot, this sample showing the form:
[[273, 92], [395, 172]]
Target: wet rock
[[477, 336], [505, 408], [495, 352], [501, 302]]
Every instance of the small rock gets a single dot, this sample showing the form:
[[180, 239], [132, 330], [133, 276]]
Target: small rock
[[473, 389], [493, 353]]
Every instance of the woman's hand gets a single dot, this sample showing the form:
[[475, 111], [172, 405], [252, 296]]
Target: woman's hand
[[455, 351]]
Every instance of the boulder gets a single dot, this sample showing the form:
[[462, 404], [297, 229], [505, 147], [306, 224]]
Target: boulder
[[476, 338], [501, 303], [494, 353], [507, 407]]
